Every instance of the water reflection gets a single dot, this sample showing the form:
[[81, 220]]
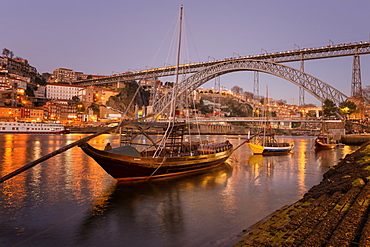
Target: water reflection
[[156, 209], [51, 204]]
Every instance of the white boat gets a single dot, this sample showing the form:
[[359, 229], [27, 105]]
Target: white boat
[[32, 128]]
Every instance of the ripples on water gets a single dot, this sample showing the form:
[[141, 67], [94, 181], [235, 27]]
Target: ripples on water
[[70, 201]]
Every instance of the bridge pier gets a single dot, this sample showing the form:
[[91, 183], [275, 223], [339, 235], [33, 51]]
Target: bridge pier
[[356, 88]]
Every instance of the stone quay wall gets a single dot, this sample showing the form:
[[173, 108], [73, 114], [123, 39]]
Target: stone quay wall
[[335, 212]]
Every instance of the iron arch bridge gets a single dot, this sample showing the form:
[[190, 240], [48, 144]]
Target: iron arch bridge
[[314, 86]]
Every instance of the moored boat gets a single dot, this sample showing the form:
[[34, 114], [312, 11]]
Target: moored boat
[[132, 165], [174, 152], [174, 158], [32, 128], [323, 142], [271, 148], [265, 143]]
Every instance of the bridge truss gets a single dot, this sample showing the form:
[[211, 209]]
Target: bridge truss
[[330, 51], [316, 87]]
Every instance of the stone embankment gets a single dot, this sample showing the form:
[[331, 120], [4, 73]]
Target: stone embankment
[[217, 129], [205, 129], [333, 213], [89, 129], [355, 139]]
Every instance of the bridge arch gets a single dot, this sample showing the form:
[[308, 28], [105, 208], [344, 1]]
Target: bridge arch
[[314, 86]]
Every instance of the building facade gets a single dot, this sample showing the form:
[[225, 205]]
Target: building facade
[[63, 75], [62, 111], [26, 114], [17, 66], [63, 91]]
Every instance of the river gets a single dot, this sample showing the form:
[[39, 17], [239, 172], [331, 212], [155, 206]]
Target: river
[[69, 200]]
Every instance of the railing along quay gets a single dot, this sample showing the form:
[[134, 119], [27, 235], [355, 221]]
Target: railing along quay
[[250, 119]]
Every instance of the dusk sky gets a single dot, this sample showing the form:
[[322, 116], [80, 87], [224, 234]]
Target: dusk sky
[[115, 36]]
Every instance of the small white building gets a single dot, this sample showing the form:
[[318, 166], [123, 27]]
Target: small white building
[[63, 91]]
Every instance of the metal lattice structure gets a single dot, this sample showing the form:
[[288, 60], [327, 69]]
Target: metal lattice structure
[[301, 90], [330, 51], [356, 88], [314, 86], [256, 86]]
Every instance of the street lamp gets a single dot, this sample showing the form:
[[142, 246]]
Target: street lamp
[[345, 111]]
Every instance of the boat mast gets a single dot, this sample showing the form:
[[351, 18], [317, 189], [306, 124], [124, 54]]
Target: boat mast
[[267, 115], [173, 107], [179, 47], [171, 134]]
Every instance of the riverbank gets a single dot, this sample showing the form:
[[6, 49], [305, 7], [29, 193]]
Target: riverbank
[[213, 129], [333, 213], [355, 139]]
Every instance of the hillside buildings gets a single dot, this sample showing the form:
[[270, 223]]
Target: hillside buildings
[[27, 96], [62, 91], [17, 66]]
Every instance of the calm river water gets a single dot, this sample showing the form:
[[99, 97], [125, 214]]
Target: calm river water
[[70, 201]]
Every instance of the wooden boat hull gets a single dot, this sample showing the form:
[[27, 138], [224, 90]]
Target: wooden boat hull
[[324, 146], [124, 167], [267, 150]]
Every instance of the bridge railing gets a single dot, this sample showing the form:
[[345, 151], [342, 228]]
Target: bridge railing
[[350, 49]]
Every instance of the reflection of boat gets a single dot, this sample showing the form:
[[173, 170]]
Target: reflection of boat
[[324, 142], [32, 128], [169, 156], [255, 159], [134, 192], [156, 211]]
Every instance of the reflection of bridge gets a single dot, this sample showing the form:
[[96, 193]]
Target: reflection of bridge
[[267, 63]]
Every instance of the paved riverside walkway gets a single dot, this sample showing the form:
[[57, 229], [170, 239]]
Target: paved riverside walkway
[[335, 212]]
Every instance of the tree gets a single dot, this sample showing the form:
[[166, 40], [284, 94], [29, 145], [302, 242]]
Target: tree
[[347, 107], [95, 108], [75, 98], [308, 106], [282, 102], [237, 90], [203, 108], [248, 95], [329, 108], [5, 52]]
